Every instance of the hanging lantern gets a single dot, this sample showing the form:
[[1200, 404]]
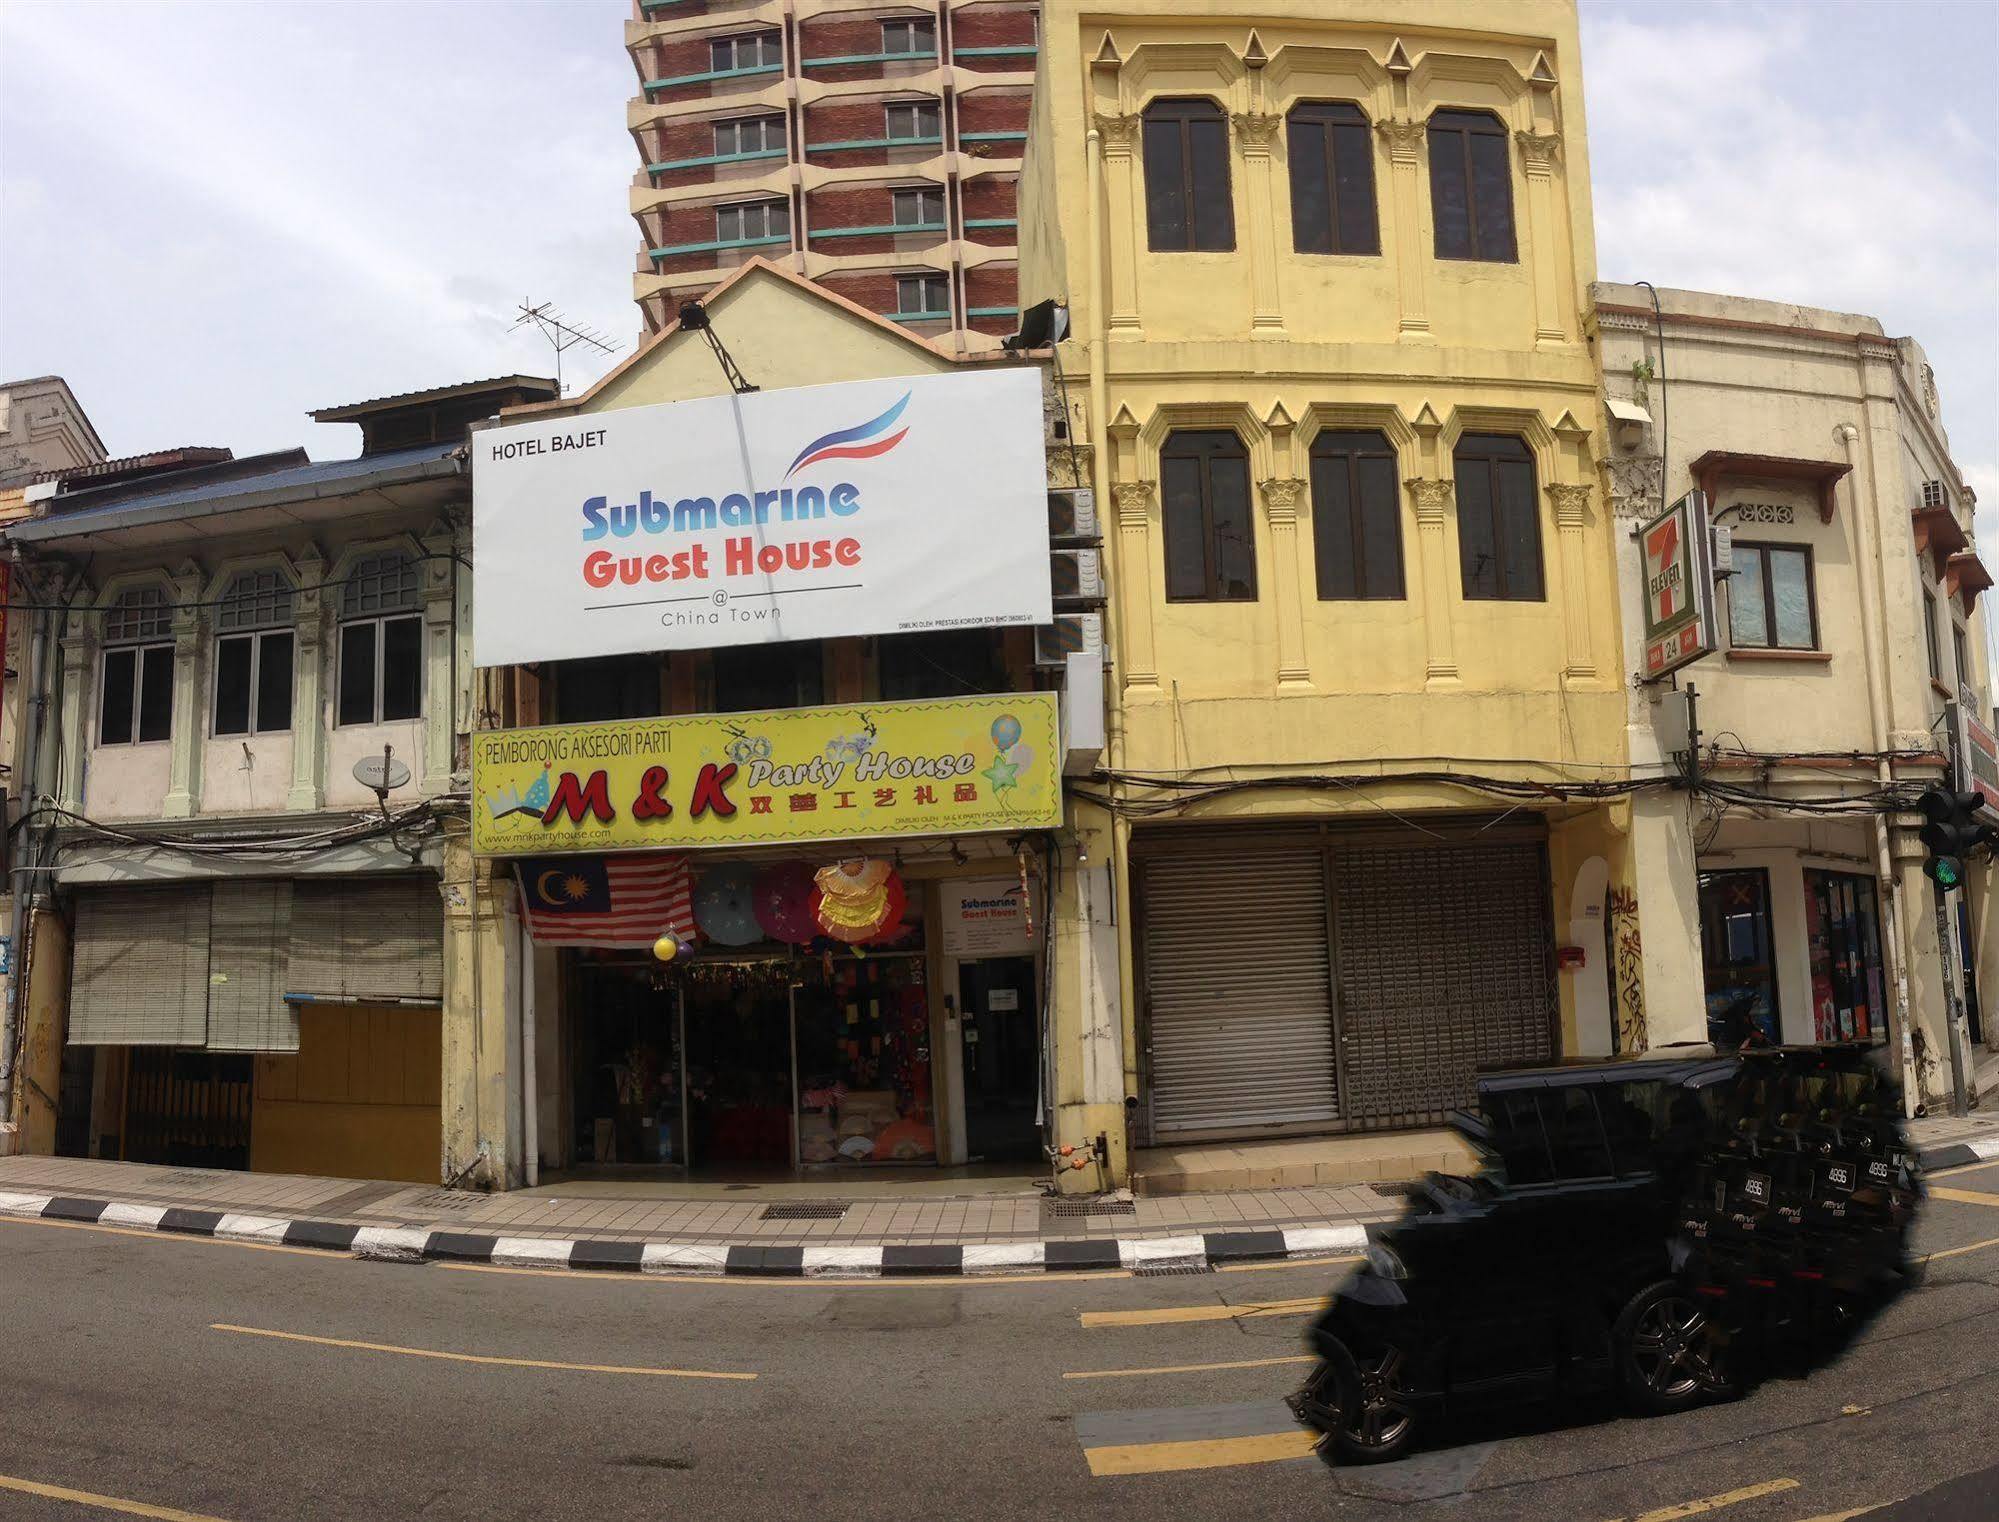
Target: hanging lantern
[[858, 900]]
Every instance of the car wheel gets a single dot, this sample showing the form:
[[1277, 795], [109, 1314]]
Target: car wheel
[[1380, 1419], [1325, 1399], [1670, 1354]]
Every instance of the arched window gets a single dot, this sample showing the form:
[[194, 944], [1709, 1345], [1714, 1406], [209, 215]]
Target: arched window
[[1204, 513], [1499, 518], [253, 654], [1471, 187], [381, 641], [1187, 203], [1331, 153], [1356, 516], [136, 691]]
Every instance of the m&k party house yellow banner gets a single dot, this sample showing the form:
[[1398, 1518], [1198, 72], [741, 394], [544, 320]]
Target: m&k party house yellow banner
[[943, 767]]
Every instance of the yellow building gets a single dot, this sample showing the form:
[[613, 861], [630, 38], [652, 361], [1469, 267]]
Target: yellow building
[[1363, 819]]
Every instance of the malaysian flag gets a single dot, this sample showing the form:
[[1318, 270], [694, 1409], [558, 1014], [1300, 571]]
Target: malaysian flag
[[606, 900]]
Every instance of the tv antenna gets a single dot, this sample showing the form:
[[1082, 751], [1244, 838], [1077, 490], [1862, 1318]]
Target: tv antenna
[[562, 334]]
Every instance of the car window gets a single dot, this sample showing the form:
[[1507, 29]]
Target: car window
[[1635, 1120], [1577, 1133], [1520, 1137]]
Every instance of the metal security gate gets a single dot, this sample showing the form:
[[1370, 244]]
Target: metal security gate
[[1238, 990], [1445, 958]]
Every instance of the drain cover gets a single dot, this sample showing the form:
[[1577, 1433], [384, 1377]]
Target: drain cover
[[1090, 1207], [1399, 1191], [806, 1210], [1171, 1270], [442, 1199]]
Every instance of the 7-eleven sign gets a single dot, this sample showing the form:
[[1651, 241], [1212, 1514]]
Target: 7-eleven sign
[[1679, 587]]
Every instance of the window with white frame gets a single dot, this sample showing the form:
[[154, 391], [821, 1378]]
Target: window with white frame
[[753, 50], [136, 693], [752, 219], [914, 120], [253, 654], [917, 35], [922, 296], [381, 641], [749, 134], [919, 208]]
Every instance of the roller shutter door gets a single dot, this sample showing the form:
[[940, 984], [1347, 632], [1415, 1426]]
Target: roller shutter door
[[1445, 966], [1238, 990], [367, 939], [139, 970], [249, 947]]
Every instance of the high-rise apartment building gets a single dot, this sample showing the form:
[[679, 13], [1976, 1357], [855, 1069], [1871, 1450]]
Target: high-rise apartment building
[[874, 148]]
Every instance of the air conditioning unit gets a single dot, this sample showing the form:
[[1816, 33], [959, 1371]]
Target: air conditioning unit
[[1072, 516], [1077, 579], [1055, 643]]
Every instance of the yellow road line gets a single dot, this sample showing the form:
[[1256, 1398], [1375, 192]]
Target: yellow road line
[[1714, 1503], [1171, 1315], [516, 1363], [1963, 1196], [1190, 1368], [1952, 1173], [1952, 1252], [102, 1503], [1200, 1453], [1266, 1267], [1846, 1516]]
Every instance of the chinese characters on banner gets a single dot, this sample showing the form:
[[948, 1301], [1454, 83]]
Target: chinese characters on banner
[[868, 770]]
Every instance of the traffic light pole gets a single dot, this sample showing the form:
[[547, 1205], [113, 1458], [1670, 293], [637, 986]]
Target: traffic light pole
[[1960, 1098], [1960, 1102]]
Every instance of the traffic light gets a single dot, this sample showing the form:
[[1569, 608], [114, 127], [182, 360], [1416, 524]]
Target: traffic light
[[1952, 830]]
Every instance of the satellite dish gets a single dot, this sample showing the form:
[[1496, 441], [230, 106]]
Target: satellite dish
[[381, 774]]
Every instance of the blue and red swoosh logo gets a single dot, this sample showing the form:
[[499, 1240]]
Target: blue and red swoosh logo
[[862, 442]]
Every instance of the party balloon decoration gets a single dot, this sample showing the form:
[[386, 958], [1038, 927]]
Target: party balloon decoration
[[783, 905], [725, 905], [1006, 730], [858, 900], [667, 947]]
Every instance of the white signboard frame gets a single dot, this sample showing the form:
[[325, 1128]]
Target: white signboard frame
[[1676, 573], [985, 918], [813, 512]]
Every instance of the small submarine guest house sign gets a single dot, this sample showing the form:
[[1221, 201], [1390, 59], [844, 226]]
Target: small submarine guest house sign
[[860, 771]]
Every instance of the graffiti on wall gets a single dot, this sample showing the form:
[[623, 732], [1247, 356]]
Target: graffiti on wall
[[1628, 962]]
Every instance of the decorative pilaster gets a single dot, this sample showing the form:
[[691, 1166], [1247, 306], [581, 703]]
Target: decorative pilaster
[[1133, 600], [1432, 503], [79, 664], [1255, 131], [1405, 146], [1119, 137], [190, 625], [1571, 510], [440, 703], [1538, 153], [1281, 496], [310, 606]]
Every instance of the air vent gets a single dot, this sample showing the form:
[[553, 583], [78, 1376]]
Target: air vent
[[1055, 643]]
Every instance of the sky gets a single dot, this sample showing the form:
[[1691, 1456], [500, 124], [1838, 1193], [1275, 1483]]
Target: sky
[[215, 217]]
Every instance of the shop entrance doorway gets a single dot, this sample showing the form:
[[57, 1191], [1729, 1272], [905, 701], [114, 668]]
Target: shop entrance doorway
[[741, 1073], [629, 1073], [1001, 1020]]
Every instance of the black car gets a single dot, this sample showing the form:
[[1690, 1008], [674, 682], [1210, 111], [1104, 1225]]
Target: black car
[[1654, 1226]]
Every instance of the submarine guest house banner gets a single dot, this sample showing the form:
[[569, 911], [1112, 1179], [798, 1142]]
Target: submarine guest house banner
[[865, 507], [865, 771]]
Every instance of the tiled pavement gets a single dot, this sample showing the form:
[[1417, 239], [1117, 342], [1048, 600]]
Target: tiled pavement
[[648, 1215]]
